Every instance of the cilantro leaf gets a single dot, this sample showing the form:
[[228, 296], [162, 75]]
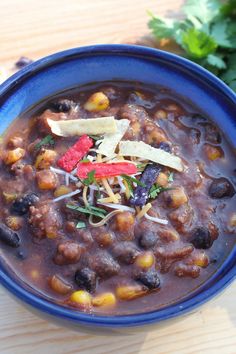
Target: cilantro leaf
[[216, 60], [47, 140], [88, 210], [90, 178], [80, 225], [219, 33], [134, 180], [162, 28], [156, 190], [197, 43], [204, 10]]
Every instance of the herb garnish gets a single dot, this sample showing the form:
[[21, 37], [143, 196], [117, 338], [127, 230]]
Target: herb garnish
[[80, 225], [90, 178], [170, 177], [156, 190], [90, 210], [47, 140], [207, 35]]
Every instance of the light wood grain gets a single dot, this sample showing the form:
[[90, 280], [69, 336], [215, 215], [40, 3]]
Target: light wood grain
[[35, 28]]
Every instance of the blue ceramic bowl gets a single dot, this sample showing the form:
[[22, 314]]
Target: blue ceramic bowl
[[80, 66]]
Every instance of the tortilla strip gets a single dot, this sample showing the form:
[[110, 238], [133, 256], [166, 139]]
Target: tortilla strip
[[110, 141], [90, 126], [147, 152]]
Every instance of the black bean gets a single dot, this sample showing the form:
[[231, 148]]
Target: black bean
[[150, 279], [125, 252], [148, 178], [21, 255], [221, 188], [8, 236], [165, 146], [201, 238], [148, 240], [21, 205], [22, 62], [62, 105], [86, 279]]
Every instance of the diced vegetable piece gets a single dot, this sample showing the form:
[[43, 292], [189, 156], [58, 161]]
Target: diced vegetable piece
[[61, 190], [105, 299], [59, 285], [91, 126], [11, 156], [110, 141], [97, 102], [45, 159], [9, 237], [213, 152], [46, 180], [147, 152], [105, 169], [75, 153], [130, 292], [14, 222], [145, 260], [148, 178], [176, 197], [21, 205], [82, 298]]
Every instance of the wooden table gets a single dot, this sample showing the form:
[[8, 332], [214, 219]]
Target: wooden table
[[35, 28]]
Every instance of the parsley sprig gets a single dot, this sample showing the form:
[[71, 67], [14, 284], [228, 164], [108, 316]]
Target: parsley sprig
[[207, 35]]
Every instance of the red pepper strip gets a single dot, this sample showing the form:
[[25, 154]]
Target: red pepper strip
[[105, 169], [75, 153]]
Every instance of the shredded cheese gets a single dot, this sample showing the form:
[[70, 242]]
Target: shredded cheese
[[104, 220], [85, 190], [118, 207], [109, 190], [109, 199], [68, 195], [110, 141], [91, 126], [155, 219], [144, 210], [145, 151]]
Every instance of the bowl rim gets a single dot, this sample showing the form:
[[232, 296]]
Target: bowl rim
[[118, 321]]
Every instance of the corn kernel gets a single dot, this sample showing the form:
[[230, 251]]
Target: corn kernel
[[232, 220], [14, 222], [160, 114], [162, 179], [34, 274], [9, 197], [81, 297], [145, 260], [201, 259], [105, 299], [130, 292], [45, 159], [12, 156], [213, 152], [61, 190], [97, 102]]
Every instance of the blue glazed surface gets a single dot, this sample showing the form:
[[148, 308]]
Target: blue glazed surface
[[80, 66]]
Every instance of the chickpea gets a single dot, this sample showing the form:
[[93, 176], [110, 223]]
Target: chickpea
[[12, 156], [213, 152], [162, 179], [105, 299], [97, 102], [124, 221], [130, 292], [145, 260], [82, 298], [61, 190], [45, 159], [160, 114], [176, 197]]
